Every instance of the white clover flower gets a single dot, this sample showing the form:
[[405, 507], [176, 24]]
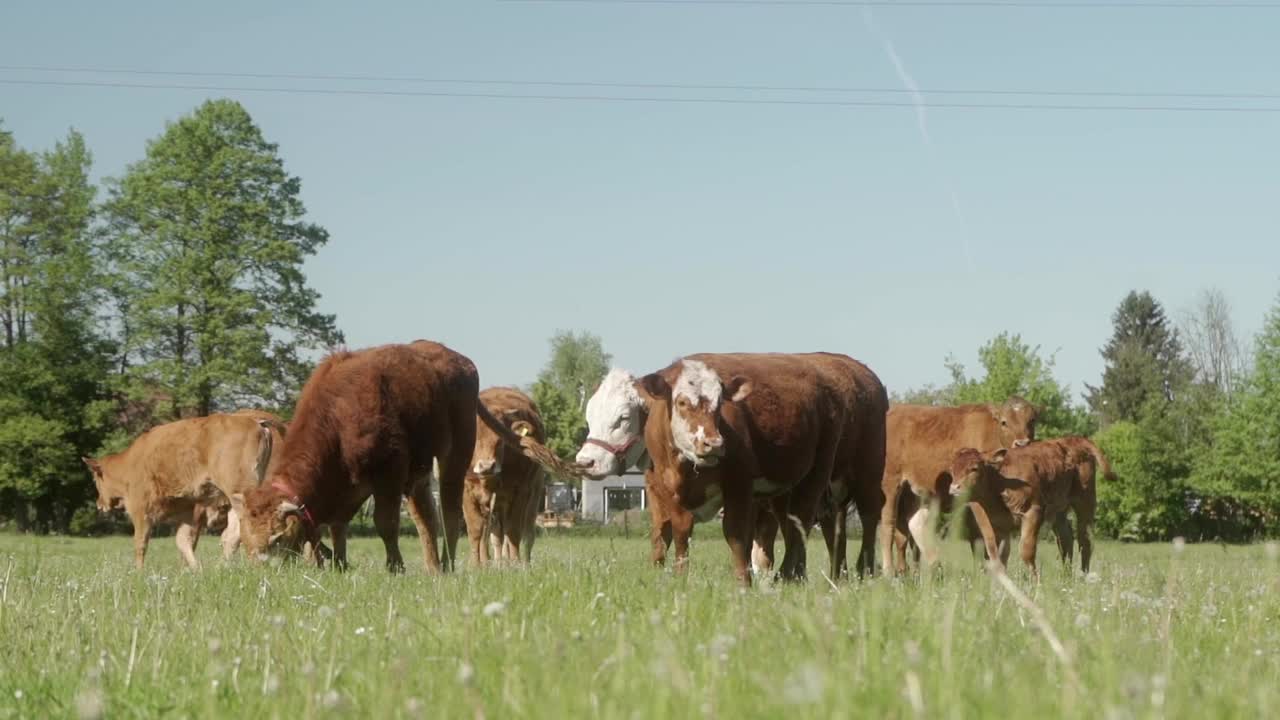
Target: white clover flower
[[466, 674], [494, 608]]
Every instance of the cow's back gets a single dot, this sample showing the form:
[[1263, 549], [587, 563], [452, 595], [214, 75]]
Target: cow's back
[[792, 395], [180, 458], [371, 406], [923, 439], [1046, 469]]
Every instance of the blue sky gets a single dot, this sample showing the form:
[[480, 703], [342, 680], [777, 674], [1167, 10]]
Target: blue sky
[[677, 228]]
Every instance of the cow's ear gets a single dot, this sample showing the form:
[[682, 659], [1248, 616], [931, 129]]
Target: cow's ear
[[998, 456], [738, 388], [523, 428], [94, 466], [287, 508], [654, 387], [237, 503]]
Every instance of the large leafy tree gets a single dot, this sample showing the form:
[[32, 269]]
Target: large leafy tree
[[208, 239], [1144, 361], [577, 365], [54, 362]]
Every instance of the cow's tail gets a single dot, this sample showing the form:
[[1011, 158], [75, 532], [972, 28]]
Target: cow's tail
[[1094, 450], [266, 445], [529, 447]]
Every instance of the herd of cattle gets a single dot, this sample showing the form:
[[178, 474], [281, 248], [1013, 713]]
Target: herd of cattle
[[770, 442]]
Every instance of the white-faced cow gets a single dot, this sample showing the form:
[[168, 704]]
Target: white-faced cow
[[724, 431]]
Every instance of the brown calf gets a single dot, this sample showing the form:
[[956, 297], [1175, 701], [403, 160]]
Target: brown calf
[[922, 442], [183, 471], [1011, 487], [503, 487]]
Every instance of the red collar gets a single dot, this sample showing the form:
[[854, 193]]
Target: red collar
[[308, 522]]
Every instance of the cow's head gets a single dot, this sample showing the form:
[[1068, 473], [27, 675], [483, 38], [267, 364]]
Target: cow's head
[[486, 459], [108, 499], [270, 523], [1017, 419], [615, 427], [970, 469], [695, 401]]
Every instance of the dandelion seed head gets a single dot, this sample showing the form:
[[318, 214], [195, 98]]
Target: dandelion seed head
[[494, 608]]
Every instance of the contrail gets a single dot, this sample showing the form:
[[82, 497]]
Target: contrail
[[922, 121]]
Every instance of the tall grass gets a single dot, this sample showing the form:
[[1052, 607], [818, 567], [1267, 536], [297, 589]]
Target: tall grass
[[591, 630]]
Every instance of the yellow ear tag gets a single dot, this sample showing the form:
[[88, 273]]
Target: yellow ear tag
[[523, 431]]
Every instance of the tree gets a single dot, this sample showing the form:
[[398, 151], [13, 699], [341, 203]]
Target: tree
[[54, 362], [1216, 355], [1012, 367], [1144, 360], [578, 363], [208, 240], [1237, 478]]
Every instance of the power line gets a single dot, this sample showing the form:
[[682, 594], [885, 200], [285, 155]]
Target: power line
[[648, 99], [744, 87], [1048, 4]]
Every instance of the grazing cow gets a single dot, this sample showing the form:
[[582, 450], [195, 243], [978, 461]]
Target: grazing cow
[[923, 441], [503, 487], [184, 471], [724, 430], [372, 423], [1023, 485]]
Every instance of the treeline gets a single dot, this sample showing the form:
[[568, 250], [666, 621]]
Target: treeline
[[1188, 414], [172, 291], [177, 290]]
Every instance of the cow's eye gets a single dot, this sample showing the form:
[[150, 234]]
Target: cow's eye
[[620, 421]]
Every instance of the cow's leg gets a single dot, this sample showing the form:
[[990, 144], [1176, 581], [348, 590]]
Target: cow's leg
[[386, 518], [659, 533], [423, 511], [681, 531], [1066, 539], [1030, 535], [185, 537], [868, 501], [453, 471], [888, 526], [141, 536], [738, 521], [1084, 508], [339, 533], [477, 533], [921, 525], [230, 539], [985, 528], [529, 523], [766, 535]]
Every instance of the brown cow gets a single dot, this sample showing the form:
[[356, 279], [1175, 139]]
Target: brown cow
[[371, 423], [923, 440], [1083, 498], [724, 430], [1014, 487], [180, 472], [503, 487]]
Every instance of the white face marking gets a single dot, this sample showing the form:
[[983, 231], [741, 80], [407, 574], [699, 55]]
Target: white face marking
[[613, 417], [697, 384]]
